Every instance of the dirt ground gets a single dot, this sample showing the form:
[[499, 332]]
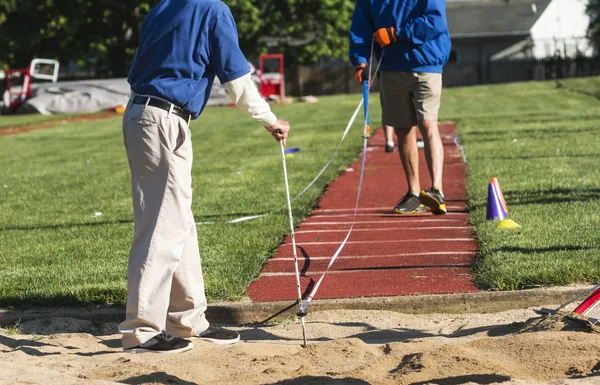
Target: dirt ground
[[345, 347]]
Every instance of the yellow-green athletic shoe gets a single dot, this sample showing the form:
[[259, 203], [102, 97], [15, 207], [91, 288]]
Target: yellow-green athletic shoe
[[433, 199], [409, 204]]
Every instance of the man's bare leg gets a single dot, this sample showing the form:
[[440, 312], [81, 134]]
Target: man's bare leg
[[409, 155], [434, 151], [434, 155], [389, 138]]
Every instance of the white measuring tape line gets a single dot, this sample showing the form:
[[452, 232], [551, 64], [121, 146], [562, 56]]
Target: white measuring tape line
[[360, 182], [305, 189], [251, 217], [460, 147], [339, 250]]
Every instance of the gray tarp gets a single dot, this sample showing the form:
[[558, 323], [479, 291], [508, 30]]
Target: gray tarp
[[91, 96]]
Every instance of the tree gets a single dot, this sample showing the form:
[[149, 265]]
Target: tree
[[95, 33], [102, 35], [593, 10], [304, 30]]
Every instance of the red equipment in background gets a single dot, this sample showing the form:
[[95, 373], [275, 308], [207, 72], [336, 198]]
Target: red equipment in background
[[272, 84], [15, 96]]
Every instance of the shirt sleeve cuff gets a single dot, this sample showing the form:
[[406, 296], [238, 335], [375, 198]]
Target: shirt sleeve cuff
[[357, 60], [224, 78]]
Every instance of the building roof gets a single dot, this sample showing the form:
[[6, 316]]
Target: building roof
[[488, 18]]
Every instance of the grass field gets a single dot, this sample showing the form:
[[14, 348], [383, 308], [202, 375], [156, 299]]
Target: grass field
[[24, 120], [541, 141], [55, 250]]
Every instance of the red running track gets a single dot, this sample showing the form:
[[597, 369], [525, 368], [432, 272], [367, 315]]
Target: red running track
[[386, 254]]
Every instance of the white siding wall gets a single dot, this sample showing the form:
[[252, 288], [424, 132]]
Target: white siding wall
[[562, 27]]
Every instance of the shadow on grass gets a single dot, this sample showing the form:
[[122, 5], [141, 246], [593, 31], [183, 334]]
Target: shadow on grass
[[557, 195], [539, 250], [544, 197], [532, 157], [487, 135], [494, 120], [199, 219], [105, 297], [67, 225], [560, 85]]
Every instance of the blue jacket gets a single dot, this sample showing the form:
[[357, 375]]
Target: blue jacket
[[421, 28], [183, 45]]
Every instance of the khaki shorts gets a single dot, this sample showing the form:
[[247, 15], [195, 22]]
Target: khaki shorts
[[409, 97]]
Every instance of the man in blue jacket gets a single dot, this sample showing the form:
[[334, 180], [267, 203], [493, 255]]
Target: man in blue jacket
[[413, 44], [183, 45]]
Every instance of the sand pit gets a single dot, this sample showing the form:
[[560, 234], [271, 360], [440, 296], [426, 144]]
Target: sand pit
[[346, 347]]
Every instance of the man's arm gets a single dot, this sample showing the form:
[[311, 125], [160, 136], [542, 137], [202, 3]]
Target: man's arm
[[231, 67], [361, 33], [426, 27], [244, 94]]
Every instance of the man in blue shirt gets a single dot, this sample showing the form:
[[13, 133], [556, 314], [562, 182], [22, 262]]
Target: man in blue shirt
[[413, 46], [184, 44]]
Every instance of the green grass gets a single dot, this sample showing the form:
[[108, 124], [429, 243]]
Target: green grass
[[541, 141], [7, 121], [14, 329], [53, 250]]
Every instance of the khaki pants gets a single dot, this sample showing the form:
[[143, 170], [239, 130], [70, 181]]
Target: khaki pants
[[165, 283], [408, 97]]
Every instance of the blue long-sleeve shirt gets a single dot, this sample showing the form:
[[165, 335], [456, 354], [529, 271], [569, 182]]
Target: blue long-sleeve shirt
[[183, 45], [421, 29]]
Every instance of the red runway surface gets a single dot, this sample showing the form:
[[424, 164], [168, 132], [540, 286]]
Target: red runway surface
[[386, 254]]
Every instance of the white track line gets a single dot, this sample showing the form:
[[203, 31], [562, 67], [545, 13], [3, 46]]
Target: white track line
[[389, 229], [421, 254], [387, 241], [318, 211], [404, 220], [359, 270], [391, 215]]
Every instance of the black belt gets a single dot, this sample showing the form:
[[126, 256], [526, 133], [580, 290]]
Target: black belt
[[137, 99]]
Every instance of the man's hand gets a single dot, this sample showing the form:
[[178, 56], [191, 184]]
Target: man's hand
[[279, 130], [385, 36], [359, 72]]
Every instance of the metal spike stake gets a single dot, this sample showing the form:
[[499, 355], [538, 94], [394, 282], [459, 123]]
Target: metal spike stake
[[301, 313]]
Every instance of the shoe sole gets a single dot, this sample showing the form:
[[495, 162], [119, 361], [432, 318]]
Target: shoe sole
[[409, 212], [144, 350], [220, 342], [436, 207]]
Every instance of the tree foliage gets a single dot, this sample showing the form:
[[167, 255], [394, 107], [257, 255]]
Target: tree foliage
[[102, 35], [97, 34], [303, 30], [593, 10]]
